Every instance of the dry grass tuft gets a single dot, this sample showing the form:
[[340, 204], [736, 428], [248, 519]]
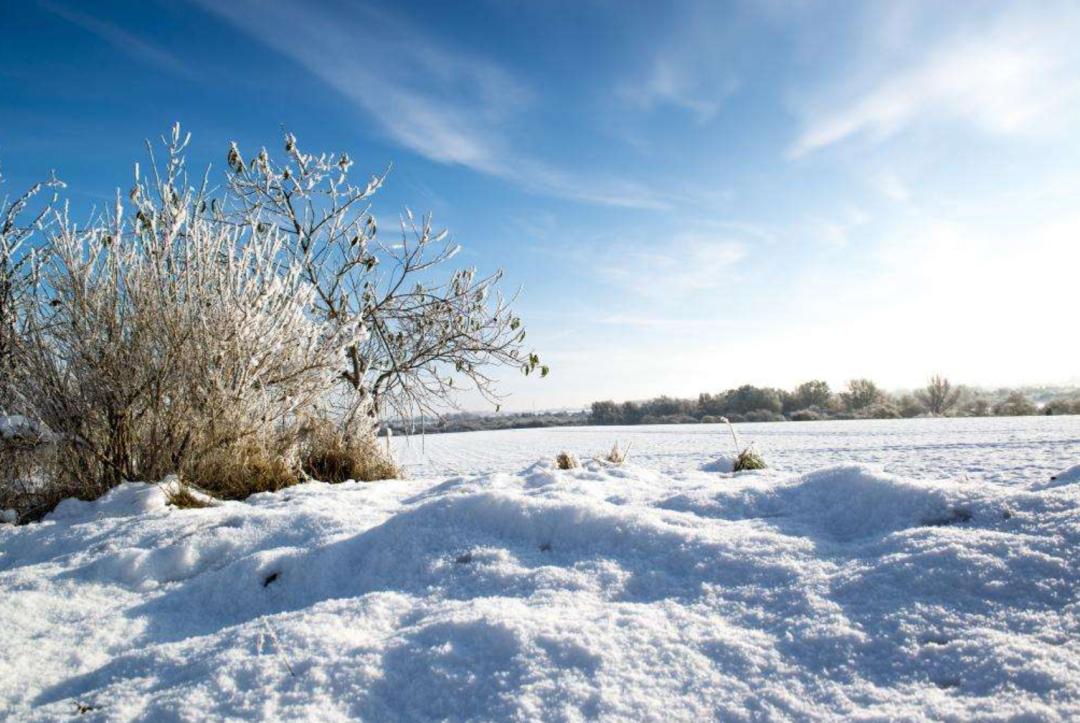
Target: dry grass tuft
[[238, 471], [748, 459], [617, 455], [181, 495], [328, 455], [565, 460]]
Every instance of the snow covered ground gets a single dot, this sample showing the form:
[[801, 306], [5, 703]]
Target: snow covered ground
[[1009, 450], [491, 586]]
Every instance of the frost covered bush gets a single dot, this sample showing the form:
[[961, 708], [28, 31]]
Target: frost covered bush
[[884, 409], [910, 406], [170, 341], [189, 333], [810, 414], [748, 399], [1015, 405], [1062, 406], [28, 455], [974, 404], [20, 220], [763, 415]]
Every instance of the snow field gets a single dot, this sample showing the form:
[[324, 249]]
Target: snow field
[[1007, 450], [602, 592]]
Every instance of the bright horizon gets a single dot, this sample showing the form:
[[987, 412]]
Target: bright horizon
[[758, 193]]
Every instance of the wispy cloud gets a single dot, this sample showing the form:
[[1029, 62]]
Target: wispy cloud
[[446, 106], [676, 324], [836, 232], [672, 82], [119, 38], [1001, 80], [892, 186], [684, 264], [690, 64]]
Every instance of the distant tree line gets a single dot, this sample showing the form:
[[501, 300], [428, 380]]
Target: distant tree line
[[473, 422], [809, 401], [860, 399]]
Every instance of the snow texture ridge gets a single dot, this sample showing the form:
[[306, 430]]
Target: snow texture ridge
[[601, 592]]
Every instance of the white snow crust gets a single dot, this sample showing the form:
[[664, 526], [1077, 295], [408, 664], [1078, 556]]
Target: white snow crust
[[640, 592]]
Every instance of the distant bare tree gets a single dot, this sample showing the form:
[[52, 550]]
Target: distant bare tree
[[909, 405], [814, 393], [861, 394], [1015, 405], [424, 336], [939, 396]]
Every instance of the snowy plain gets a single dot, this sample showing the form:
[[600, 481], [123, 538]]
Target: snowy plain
[[901, 570], [1008, 450]]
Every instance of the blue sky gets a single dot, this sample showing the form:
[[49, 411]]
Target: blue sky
[[692, 195]]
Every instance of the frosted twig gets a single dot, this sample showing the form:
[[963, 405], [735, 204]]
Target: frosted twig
[[735, 439], [278, 647]]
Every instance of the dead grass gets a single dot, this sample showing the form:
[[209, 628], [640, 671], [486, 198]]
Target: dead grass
[[238, 471], [748, 459], [617, 455], [329, 456], [565, 460], [35, 478], [181, 495]]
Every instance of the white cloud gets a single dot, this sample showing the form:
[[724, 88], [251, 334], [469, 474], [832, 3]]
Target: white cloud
[[448, 107], [690, 61], [683, 265], [996, 303], [835, 232], [985, 302], [673, 82], [1002, 80], [890, 185]]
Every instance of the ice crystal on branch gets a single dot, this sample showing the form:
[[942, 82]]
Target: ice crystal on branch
[[425, 338]]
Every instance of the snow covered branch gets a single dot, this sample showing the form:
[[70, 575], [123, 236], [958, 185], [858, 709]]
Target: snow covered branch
[[426, 337]]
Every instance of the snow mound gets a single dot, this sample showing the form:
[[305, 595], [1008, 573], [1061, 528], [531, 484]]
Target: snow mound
[[1068, 477], [724, 464], [842, 503], [613, 592]]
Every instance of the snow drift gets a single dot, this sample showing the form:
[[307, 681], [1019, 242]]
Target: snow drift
[[601, 592], [1067, 477]]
